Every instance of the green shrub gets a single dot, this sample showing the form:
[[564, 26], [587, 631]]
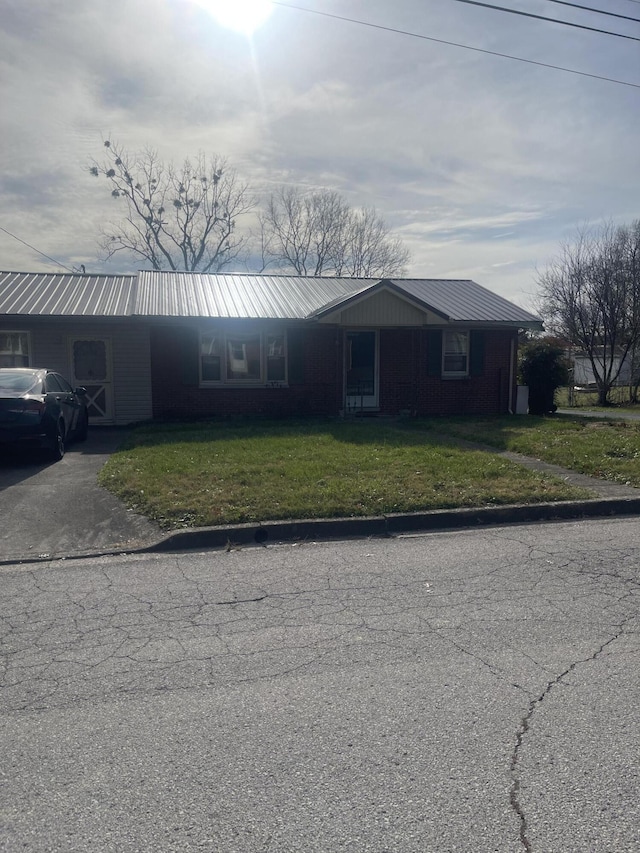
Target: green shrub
[[544, 368]]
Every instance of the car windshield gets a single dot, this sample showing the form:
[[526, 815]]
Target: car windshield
[[17, 381]]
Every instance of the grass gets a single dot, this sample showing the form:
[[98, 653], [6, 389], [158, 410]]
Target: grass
[[217, 473], [606, 449], [565, 398]]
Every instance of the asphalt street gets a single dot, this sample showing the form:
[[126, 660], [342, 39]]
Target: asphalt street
[[469, 691]]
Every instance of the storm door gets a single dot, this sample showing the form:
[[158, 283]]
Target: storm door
[[91, 368], [361, 370]]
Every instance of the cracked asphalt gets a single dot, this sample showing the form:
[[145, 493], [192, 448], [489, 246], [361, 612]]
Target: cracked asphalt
[[469, 691]]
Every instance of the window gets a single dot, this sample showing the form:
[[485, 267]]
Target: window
[[211, 358], [51, 383], [253, 358], [14, 349], [243, 359], [276, 362], [455, 353]]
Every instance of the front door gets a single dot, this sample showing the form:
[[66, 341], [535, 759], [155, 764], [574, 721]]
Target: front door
[[91, 368], [361, 370]]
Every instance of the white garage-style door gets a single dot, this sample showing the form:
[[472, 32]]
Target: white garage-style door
[[92, 368]]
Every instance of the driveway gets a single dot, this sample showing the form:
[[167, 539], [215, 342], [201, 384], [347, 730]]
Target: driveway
[[58, 509]]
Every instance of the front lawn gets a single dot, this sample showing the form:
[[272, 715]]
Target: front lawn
[[251, 471]]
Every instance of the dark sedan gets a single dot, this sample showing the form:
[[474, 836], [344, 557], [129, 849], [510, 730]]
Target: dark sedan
[[39, 409]]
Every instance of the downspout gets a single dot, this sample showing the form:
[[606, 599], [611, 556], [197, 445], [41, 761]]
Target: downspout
[[512, 365], [341, 371]]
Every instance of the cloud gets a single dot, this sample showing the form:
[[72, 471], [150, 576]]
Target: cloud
[[481, 164]]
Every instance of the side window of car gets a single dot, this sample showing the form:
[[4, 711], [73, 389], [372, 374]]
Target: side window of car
[[63, 383], [51, 383]]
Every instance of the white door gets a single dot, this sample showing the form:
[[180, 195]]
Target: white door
[[361, 370], [91, 367]]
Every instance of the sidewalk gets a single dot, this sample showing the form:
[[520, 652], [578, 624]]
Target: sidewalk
[[606, 413]]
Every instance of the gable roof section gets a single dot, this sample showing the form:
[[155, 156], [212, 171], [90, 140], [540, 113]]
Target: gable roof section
[[280, 297], [242, 296], [366, 292], [65, 295]]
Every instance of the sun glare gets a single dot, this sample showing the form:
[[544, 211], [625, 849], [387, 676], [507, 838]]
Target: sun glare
[[244, 16]]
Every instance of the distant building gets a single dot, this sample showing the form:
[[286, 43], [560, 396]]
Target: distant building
[[583, 375]]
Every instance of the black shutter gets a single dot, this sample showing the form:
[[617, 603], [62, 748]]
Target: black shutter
[[190, 355], [434, 353], [476, 353], [295, 356]]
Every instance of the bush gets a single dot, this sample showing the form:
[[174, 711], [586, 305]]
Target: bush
[[544, 368]]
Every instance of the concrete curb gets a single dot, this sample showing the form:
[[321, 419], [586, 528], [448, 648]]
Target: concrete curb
[[234, 536], [388, 525]]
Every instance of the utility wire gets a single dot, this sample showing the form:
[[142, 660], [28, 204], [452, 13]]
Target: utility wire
[[543, 18], [24, 242], [454, 44], [598, 11]]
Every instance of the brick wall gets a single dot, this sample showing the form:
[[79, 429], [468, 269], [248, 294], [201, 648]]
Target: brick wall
[[405, 383], [315, 391], [318, 387]]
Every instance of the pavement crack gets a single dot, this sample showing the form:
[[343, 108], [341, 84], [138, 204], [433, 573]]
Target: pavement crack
[[242, 600], [525, 724]]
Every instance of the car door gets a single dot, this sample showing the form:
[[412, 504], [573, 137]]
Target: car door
[[60, 396]]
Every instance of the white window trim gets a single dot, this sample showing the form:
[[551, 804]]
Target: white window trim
[[455, 374], [20, 332], [263, 382]]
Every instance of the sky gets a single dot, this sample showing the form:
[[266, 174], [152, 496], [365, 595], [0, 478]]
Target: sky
[[483, 165]]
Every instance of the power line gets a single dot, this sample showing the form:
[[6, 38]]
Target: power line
[[24, 242], [598, 11], [455, 44], [543, 18]]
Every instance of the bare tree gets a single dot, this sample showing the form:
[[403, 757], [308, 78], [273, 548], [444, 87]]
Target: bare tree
[[371, 250], [178, 218], [590, 294], [318, 233], [634, 273]]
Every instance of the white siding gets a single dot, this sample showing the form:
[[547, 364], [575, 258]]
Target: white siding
[[583, 372], [383, 309], [50, 347], [132, 374]]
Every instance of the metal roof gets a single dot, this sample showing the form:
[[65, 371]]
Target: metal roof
[[282, 297], [274, 297], [463, 300], [242, 296], [65, 295]]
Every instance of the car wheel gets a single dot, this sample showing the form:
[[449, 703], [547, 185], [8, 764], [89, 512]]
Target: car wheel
[[83, 428], [57, 450]]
